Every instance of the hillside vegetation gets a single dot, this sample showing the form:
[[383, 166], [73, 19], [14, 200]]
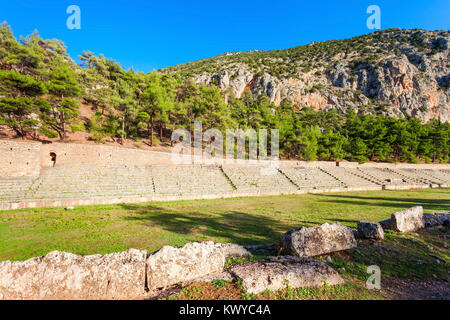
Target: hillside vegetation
[[394, 72], [42, 88]]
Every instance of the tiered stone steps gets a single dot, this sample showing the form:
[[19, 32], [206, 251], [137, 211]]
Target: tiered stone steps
[[190, 179], [410, 179], [441, 174], [348, 177], [356, 172], [311, 178], [258, 179], [14, 189], [131, 181], [418, 176], [92, 182], [387, 177]]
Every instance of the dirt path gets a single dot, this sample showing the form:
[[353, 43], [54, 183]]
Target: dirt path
[[407, 289]]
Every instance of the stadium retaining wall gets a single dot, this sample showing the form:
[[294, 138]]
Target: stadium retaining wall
[[19, 159], [26, 159]]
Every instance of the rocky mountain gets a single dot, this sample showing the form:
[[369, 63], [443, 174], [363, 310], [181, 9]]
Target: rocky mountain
[[394, 72]]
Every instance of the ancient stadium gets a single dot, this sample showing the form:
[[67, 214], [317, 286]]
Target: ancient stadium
[[47, 175], [113, 182], [202, 244]]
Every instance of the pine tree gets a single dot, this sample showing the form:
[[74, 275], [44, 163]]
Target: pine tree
[[20, 102], [124, 105], [155, 103], [63, 111], [309, 140]]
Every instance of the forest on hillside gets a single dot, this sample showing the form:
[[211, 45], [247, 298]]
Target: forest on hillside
[[42, 88]]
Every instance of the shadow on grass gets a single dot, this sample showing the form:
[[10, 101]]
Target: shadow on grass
[[247, 227], [233, 226], [391, 202]]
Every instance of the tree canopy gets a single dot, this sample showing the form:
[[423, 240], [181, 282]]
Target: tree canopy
[[42, 88]]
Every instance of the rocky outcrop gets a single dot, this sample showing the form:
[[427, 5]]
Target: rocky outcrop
[[62, 275], [437, 219], [275, 273], [414, 219], [370, 230], [386, 224], [266, 249], [316, 241], [430, 220], [397, 72], [224, 276], [192, 261], [408, 220], [444, 217]]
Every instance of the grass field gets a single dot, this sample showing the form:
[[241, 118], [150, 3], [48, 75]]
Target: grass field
[[422, 256], [111, 228]]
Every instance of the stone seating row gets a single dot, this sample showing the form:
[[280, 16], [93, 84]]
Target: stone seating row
[[90, 181]]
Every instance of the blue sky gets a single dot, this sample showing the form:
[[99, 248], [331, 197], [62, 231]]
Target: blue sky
[[149, 35]]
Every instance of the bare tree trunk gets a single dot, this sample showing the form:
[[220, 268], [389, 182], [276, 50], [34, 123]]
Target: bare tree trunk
[[63, 123], [63, 126], [123, 130], [151, 131]]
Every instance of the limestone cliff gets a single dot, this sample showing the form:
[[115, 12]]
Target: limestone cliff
[[395, 72]]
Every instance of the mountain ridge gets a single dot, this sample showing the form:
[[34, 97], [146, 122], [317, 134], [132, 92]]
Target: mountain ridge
[[395, 72]]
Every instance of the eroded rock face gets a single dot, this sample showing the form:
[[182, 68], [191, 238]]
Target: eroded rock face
[[274, 273], [408, 220], [409, 80], [316, 241], [170, 265], [370, 230], [61, 275]]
